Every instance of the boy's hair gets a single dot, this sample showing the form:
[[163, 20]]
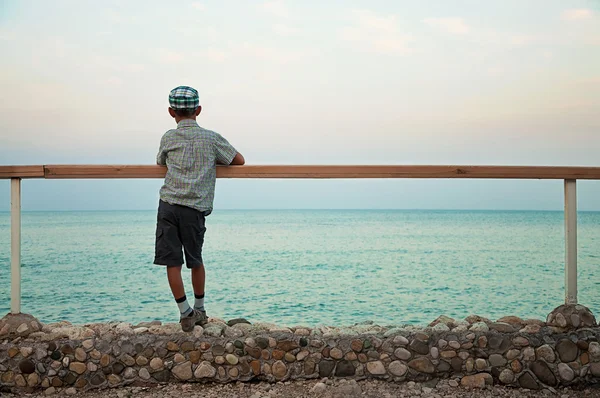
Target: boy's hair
[[189, 112]]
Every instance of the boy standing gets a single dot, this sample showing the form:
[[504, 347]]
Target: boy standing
[[191, 154]]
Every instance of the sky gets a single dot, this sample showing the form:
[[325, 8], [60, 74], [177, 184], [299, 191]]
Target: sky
[[462, 82]]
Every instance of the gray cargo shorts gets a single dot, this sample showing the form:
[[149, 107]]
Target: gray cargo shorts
[[179, 227]]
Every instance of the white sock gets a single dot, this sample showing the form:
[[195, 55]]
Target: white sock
[[184, 307], [199, 302]]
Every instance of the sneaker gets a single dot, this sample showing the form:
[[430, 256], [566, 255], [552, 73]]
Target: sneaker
[[203, 318], [188, 322]]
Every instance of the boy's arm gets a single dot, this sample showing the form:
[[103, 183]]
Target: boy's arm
[[225, 153], [238, 160], [161, 158]]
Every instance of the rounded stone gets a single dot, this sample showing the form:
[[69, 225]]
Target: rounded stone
[[422, 365], [26, 366], [232, 359], [78, 367], [129, 373], [219, 360], [482, 341], [345, 369], [476, 381], [326, 367], [516, 366], [144, 374], [595, 369], [397, 368], [279, 370], [567, 350], [565, 372], [479, 327], [528, 354], [448, 354], [497, 360], [356, 345], [234, 372], [156, 364], [434, 352], [543, 373], [98, 379], [454, 344], [512, 354], [376, 368], [336, 353], [113, 379], [480, 364], [403, 354], [183, 371], [218, 350], [33, 380], [205, 370], [594, 350], [400, 340], [80, 354], [172, 346], [289, 357], [507, 376], [520, 341], [526, 380], [303, 354], [546, 353], [419, 347]]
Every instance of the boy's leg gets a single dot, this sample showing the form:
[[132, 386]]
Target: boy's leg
[[198, 281], [168, 251], [192, 237], [178, 290]]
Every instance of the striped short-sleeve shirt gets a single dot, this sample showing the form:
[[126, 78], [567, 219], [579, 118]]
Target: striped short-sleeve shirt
[[191, 154]]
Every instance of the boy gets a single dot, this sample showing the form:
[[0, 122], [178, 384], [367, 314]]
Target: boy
[[191, 154]]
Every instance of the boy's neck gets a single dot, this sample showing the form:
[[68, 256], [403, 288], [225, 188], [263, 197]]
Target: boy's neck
[[179, 119]]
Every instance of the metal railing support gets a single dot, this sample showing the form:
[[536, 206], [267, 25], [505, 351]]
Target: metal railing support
[[15, 245], [570, 241]]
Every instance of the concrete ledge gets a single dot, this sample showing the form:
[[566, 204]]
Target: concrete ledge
[[474, 353]]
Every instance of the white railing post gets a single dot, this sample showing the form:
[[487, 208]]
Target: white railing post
[[15, 245], [570, 241]]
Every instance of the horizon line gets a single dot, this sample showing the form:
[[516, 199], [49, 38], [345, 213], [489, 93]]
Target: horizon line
[[310, 209]]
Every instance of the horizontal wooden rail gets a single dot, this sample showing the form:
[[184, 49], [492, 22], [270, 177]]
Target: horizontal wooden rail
[[309, 172], [21, 172], [569, 174]]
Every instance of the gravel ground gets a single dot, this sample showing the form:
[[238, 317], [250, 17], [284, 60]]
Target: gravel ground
[[316, 388]]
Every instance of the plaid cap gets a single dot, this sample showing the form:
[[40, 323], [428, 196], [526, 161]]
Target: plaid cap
[[183, 97]]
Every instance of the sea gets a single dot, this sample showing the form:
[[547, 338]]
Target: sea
[[305, 267]]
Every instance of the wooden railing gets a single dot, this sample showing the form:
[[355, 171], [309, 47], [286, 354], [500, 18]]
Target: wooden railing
[[569, 174]]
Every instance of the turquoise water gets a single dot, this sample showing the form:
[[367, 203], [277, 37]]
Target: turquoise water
[[306, 267]]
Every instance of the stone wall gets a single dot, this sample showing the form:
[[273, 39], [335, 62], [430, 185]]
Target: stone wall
[[522, 353]]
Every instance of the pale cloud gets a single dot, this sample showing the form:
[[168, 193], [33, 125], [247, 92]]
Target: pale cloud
[[198, 6], [276, 8], [451, 25], [115, 64], [376, 33], [285, 30], [114, 81], [166, 56], [577, 14], [6, 36], [215, 55]]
